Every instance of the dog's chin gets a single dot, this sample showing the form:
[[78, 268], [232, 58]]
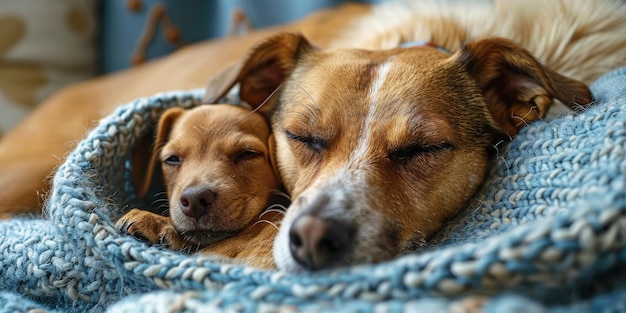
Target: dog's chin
[[203, 238], [203, 232]]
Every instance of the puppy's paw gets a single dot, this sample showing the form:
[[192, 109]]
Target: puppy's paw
[[153, 228]]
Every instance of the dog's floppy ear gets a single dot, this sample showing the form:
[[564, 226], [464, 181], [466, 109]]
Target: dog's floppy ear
[[259, 74], [518, 89], [145, 156]]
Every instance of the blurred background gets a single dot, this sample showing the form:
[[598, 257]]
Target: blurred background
[[48, 44]]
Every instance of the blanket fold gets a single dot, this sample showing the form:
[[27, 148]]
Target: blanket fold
[[547, 233]]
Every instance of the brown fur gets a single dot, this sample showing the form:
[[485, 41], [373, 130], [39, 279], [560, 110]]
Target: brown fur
[[378, 148], [582, 39], [216, 150], [367, 189], [31, 151]]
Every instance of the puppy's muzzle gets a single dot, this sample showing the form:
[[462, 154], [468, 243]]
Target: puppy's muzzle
[[195, 202]]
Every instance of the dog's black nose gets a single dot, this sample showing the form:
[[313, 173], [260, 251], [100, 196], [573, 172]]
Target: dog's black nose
[[318, 243], [196, 201]]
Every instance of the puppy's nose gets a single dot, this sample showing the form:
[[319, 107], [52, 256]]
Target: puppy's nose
[[317, 243], [196, 201]]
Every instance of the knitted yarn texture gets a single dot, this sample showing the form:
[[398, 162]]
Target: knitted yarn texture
[[547, 233]]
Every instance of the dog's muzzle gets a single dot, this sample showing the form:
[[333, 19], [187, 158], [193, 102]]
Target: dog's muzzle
[[318, 232], [318, 242]]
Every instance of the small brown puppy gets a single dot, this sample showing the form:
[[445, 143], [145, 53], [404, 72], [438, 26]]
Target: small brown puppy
[[219, 179]]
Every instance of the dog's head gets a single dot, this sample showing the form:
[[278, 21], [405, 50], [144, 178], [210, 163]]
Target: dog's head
[[216, 168], [379, 148]]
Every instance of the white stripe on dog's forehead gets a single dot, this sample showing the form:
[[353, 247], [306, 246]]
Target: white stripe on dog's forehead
[[381, 76], [347, 185], [353, 173], [364, 139]]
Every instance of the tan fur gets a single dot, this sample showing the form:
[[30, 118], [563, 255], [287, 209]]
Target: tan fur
[[389, 166], [216, 150], [582, 39], [379, 147], [31, 151], [427, 102]]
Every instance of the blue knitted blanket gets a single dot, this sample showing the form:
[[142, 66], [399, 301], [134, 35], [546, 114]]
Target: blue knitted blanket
[[547, 233]]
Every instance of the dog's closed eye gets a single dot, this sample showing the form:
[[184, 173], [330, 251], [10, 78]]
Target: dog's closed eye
[[405, 153], [314, 144]]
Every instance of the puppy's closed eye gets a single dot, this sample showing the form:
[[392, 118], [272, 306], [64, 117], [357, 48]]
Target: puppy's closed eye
[[246, 155], [172, 160]]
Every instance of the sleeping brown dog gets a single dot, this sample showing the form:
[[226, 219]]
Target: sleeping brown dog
[[379, 143], [379, 147], [380, 139], [219, 179]]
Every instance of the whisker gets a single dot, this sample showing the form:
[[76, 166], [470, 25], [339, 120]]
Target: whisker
[[277, 207], [264, 221], [268, 98], [306, 92], [282, 85], [271, 211], [187, 248], [161, 194], [281, 193], [160, 203]]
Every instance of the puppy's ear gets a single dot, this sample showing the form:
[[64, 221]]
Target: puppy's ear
[[145, 156], [518, 89], [264, 69]]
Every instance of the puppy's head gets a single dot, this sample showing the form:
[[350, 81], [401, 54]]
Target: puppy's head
[[379, 148], [216, 167]]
